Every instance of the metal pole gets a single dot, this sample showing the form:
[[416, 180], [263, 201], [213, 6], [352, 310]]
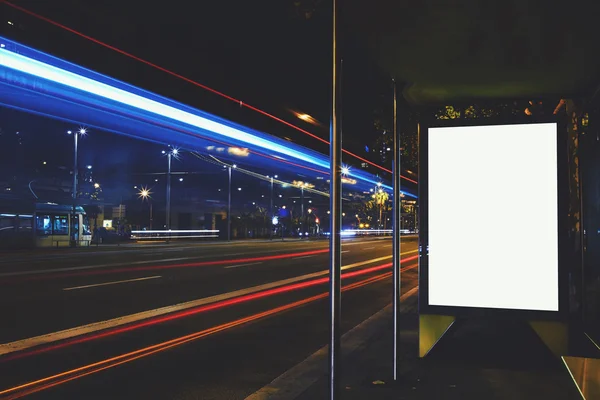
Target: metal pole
[[150, 216], [229, 209], [397, 226], [271, 211], [168, 222], [581, 227], [335, 244], [302, 211], [75, 172]]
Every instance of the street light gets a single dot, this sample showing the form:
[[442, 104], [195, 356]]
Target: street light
[[144, 194], [82, 131], [174, 152]]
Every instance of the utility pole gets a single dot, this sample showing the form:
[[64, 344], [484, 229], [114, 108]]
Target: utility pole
[[229, 208], [75, 172]]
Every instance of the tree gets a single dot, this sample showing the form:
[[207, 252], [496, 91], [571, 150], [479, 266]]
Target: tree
[[380, 201]]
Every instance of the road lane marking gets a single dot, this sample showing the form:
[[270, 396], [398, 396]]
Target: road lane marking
[[76, 373], [121, 264], [242, 265], [345, 251], [113, 283], [47, 271], [298, 258], [369, 248], [27, 343]]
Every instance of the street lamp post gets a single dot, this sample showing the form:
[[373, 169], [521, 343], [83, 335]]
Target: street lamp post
[[229, 208], [271, 210], [168, 211], [81, 131], [302, 210], [173, 153], [144, 194]]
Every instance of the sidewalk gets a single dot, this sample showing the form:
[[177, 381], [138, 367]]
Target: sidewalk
[[473, 361]]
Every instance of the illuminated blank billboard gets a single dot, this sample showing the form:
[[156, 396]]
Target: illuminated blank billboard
[[493, 217]]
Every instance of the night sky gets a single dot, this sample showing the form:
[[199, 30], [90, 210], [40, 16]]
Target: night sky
[[274, 54]]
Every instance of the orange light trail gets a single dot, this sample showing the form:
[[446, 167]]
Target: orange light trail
[[70, 375]]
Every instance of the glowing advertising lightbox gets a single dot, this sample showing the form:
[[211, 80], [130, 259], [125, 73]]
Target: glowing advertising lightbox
[[494, 242]]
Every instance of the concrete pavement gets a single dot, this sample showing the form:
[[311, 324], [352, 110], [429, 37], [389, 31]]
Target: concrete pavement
[[475, 360]]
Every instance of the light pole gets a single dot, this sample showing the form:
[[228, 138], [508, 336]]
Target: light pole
[[229, 204], [170, 154], [302, 210], [271, 206], [82, 132], [144, 194]]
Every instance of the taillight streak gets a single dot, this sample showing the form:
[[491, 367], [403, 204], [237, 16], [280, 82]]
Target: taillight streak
[[168, 266], [70, 375], [198, 310]]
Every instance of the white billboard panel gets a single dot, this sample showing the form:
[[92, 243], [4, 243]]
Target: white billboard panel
[[493, 226]]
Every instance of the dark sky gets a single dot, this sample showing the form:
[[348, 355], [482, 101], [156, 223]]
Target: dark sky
[[273, 54]]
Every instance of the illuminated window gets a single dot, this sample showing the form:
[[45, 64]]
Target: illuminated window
[[60, 225], [43, 225]]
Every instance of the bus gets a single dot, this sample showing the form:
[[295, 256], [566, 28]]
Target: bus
[[24, 225]]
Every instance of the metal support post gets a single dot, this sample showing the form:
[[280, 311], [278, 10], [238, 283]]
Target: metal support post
[[75, 173], [271, 211], [397, 210], [229, 208], [168, 219], [302, 230], [335, 192]]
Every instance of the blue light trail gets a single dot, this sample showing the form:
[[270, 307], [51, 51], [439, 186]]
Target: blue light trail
[[63, 90]]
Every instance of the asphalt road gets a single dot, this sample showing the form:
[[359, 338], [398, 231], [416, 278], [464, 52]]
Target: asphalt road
[[181, 322]]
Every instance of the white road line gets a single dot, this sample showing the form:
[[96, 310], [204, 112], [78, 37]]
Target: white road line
[[27, 343], [345, 251], [298, 258], [113, 283], [369, 248], [122, 264], [47, 271], [242, 265]]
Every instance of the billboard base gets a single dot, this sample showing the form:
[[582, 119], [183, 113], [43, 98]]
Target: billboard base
[[431, 329], [554, 334]]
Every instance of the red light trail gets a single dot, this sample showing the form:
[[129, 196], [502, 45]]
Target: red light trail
[[171, 266], [201, 309], [70, 375], [193, 82]]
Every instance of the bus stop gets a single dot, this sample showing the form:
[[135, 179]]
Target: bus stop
[[477, 61]]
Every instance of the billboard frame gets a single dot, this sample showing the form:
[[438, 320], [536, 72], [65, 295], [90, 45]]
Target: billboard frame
[[565, 256]]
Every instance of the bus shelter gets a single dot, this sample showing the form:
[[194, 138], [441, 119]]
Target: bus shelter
[[469, 58]]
